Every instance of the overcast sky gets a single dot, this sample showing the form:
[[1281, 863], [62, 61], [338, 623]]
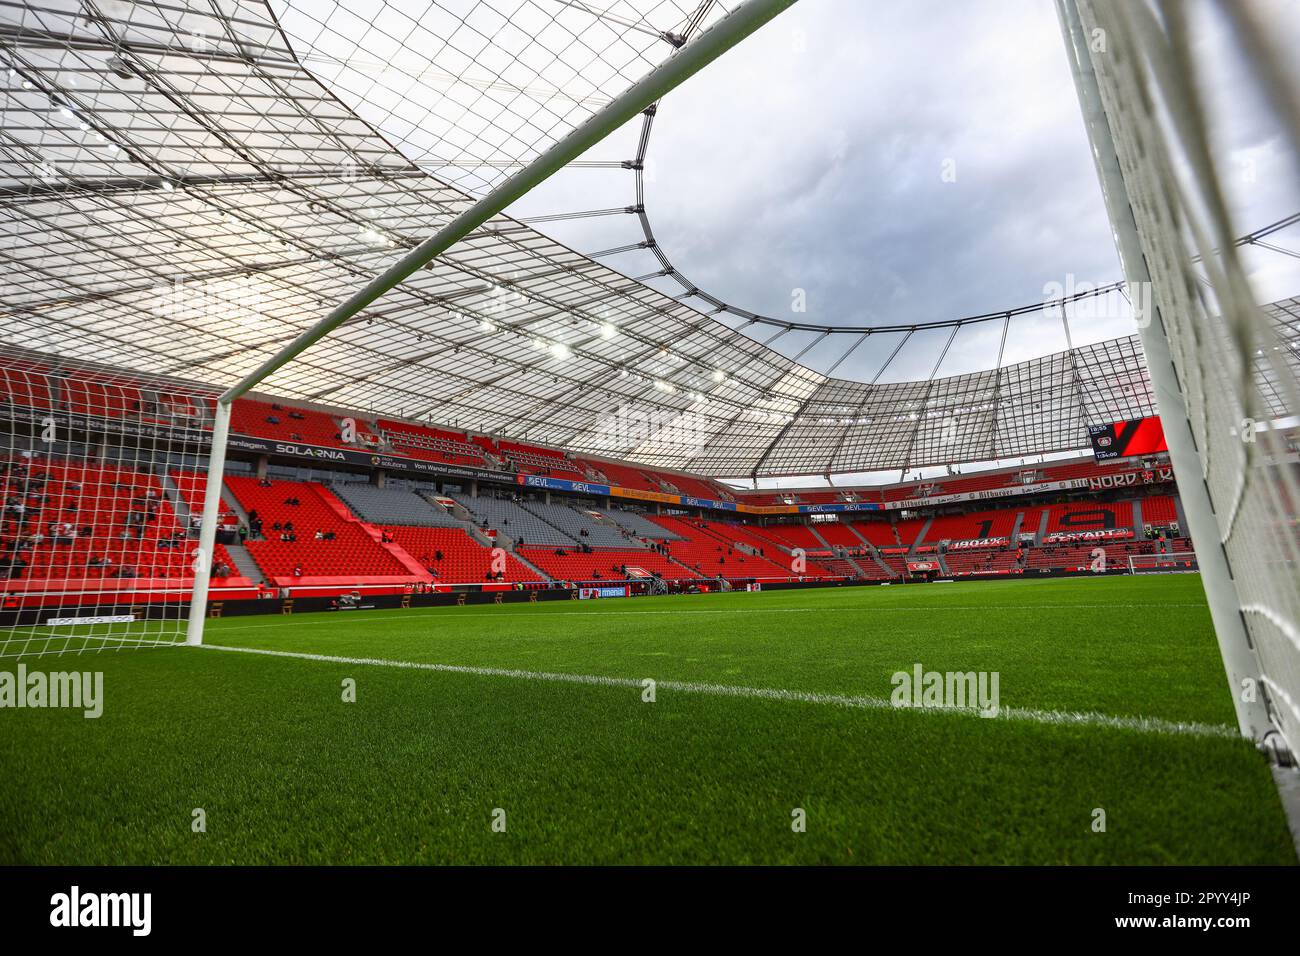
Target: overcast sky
[[814, 156]]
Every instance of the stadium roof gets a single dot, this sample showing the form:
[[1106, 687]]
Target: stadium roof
[[183, 195]]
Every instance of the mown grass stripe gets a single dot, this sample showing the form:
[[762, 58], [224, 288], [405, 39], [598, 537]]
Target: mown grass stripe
[[1148, 725]]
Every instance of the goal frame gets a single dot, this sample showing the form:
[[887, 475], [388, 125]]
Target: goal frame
[[680, 66], [1112, 136], [1163, 556]]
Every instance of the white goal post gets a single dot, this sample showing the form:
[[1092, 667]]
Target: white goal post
[[1225, 385]]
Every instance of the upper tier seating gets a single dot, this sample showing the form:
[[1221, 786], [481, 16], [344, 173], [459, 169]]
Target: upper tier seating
[[88, 393], [508, 519], [352, 553], [24, 384], [389, 506], [435, 444], [463, 560], [623, 476], [286, 423], [535, 460], [692, 487]]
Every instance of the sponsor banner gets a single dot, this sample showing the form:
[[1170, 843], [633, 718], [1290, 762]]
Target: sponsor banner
[[561, 484], [363, 457], [923, 565], [989, 493], [708, 503], [178, 432], [971, 543], [101, 619], [831, 508], [660, 496], [1100, 534], [1127, 479], [591, 594]]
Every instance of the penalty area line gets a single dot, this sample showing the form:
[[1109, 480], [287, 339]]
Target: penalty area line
[[1147, 725]]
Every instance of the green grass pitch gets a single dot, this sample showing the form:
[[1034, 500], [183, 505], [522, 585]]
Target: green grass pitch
[[586, 772]]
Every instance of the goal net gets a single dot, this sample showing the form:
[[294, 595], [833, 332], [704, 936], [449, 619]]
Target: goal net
[[1224, 369], [98, 479], [1173, 562]]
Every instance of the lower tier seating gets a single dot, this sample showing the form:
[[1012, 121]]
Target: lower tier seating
[[292, 551], [605, 564]]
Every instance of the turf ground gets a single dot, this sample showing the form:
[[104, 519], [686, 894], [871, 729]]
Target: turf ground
[[764, 703]]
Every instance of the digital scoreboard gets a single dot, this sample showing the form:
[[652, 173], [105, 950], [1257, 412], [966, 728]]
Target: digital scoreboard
[[1141, 436]]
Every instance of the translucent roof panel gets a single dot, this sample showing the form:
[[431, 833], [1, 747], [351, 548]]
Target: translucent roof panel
[[182, 195]]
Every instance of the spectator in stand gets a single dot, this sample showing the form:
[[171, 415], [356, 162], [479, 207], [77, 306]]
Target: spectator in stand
[[12, 567], [297, 570], [320, 535], [221, 570]]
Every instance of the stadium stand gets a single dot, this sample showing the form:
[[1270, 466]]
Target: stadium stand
[[838, 534], [962, 563], [1089, 516], [909, 530], [286, 423], [192, 487], [638, 524], [435, 444], [1159, 510], [972, 525], [792, 536], [351, 554], [879, 533], [625, 476], [606, 564], [577, 525], [74, 524], [392, 506], [535, 460], [453, 557], [507, 518]]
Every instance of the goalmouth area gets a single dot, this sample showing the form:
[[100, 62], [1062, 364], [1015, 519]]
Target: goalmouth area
[[692, 729]]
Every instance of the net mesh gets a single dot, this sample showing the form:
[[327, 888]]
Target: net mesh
[[98, 543], [1237, 367]]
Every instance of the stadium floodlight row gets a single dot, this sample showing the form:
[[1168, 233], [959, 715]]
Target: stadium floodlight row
[[186, 198]]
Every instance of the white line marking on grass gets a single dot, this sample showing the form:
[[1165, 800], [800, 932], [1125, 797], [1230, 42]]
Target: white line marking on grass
[[1148, 725], [414, 614]]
